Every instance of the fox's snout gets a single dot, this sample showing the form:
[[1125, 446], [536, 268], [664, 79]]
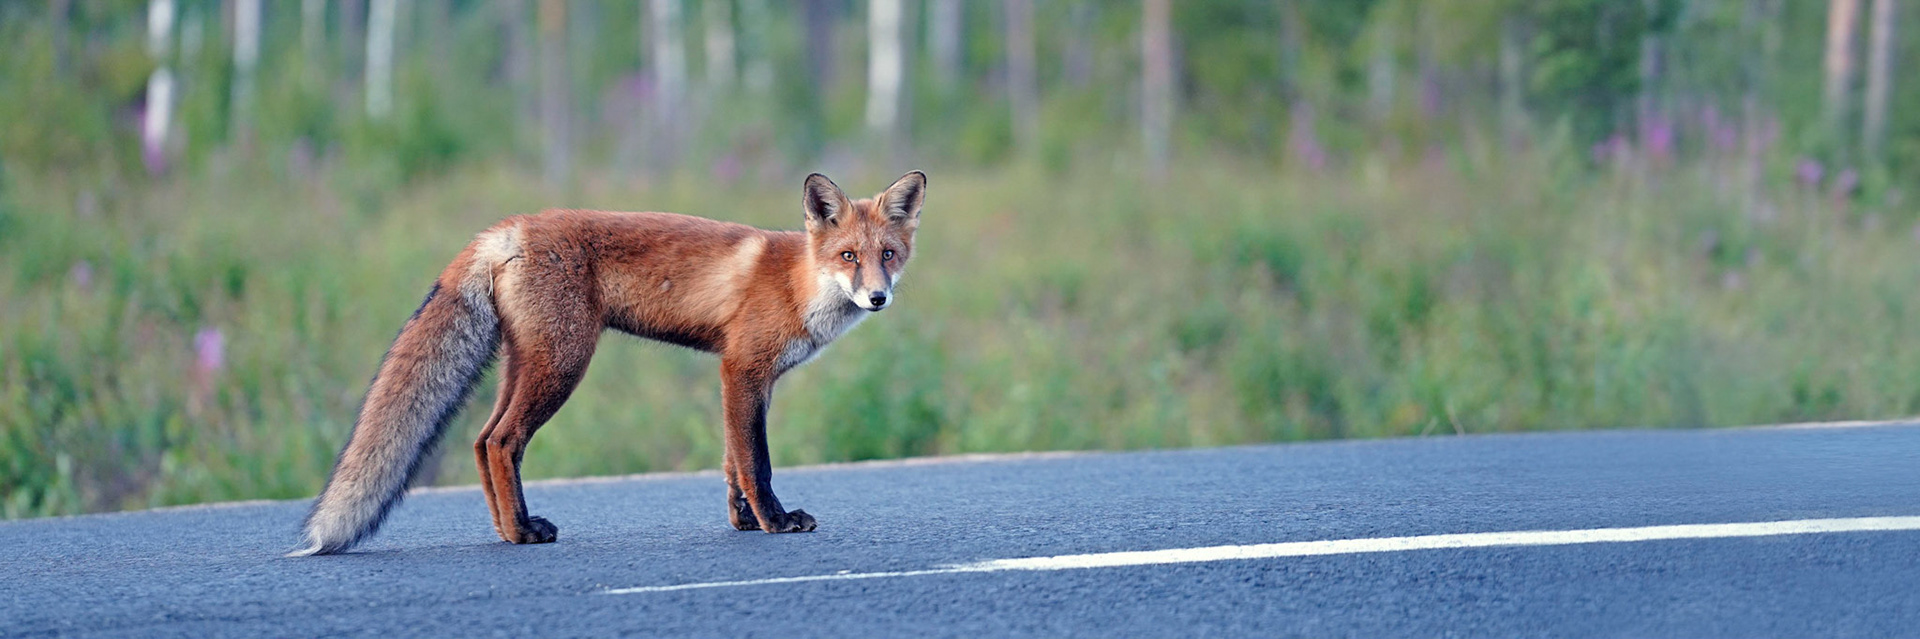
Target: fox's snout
[[876, 300]]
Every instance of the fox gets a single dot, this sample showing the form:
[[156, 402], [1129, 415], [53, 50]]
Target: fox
[[538, 290]]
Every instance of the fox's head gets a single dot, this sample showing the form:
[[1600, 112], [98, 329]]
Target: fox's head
[[862, 246]]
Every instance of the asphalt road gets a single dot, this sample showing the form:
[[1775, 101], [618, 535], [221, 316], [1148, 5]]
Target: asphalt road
[[437, 569]]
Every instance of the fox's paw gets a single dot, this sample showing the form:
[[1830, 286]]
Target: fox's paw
[[740, 514], [537, 530], [792, 521]]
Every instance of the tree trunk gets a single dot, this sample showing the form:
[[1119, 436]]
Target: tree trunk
[[379, 92], [1023, 88], [1077, 59], [718, 16], [313, 30], [555, 90], [944, 21], [1879, 77], [1839, 61], [1513, 112], [439, 36], [158, 116], [1156, 52], [756, 26], [1380, 69], [57, 25], [670, 81], [518, 63], [246, 58], [884, 67], [819, 21], [353, 15], [1292, 42], [313, 42]]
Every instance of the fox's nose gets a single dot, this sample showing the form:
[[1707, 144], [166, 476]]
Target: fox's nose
[[879, 299]]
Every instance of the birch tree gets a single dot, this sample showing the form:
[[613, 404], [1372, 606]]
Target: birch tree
[[246, 57], [669, 80], [1156, 82], [159, 112], [944, 21], [379, 77], [718, 18], [518, 63], [757, 64], [353, 17], [1513, 113], [554, 91], [1839, 60], [1879, 77], [884, 66], [1380, 63], [1023, 90], [313, 29]]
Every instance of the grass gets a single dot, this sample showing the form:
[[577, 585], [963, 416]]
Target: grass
[[1042, 311]]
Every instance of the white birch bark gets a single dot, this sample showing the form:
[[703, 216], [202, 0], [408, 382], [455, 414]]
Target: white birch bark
[[1879, 76], [944, 21], [884, 66], [718, 16], [1023, 91], [670, 79], [379, 91], [1156, 112], [555, 91], [313, 28], [155, 122], [1839, 59], [246, 58]]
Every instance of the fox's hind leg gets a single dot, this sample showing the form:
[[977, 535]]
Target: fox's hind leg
[[548, 360], [507, 371], [739, 511]]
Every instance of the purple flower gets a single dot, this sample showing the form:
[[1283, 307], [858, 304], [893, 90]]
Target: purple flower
[[1656, 136], [210, 350], [1302, 141], [81, 275], [1808, 173]]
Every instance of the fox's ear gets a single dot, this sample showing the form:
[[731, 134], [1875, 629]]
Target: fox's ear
[[902, 200], [823, 200]]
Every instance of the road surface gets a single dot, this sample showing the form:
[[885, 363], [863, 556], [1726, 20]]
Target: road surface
[[1734, 533]]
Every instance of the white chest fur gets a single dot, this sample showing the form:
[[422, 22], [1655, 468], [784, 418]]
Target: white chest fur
[[827, 318]]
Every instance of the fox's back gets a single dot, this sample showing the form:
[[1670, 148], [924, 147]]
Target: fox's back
[[676, 278]]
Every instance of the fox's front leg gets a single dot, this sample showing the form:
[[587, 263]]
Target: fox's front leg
[[746, 387]]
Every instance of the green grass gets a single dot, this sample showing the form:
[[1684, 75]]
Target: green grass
[[1042, 311]]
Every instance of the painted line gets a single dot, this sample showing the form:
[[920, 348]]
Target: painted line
[[1910, 421], [1347, 547]]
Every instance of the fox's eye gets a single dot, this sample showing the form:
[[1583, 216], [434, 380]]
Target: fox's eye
[[886, 254], [846, 255]]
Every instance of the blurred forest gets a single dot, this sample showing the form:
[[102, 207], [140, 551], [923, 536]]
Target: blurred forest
[[1151, 223]]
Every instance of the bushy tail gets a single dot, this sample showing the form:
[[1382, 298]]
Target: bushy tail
[[422, 383]]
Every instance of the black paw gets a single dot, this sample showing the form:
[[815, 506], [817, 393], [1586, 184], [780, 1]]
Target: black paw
[[740, 514], [537, 530], [793, 521]]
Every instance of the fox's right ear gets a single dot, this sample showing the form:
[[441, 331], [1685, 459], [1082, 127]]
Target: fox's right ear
[[823, 201]]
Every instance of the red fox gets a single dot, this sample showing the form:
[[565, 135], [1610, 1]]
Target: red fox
[[541, 288]]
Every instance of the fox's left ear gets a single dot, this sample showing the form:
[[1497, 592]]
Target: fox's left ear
[[902, 201]]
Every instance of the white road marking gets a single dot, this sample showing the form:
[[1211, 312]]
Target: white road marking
[[1348, 546]]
